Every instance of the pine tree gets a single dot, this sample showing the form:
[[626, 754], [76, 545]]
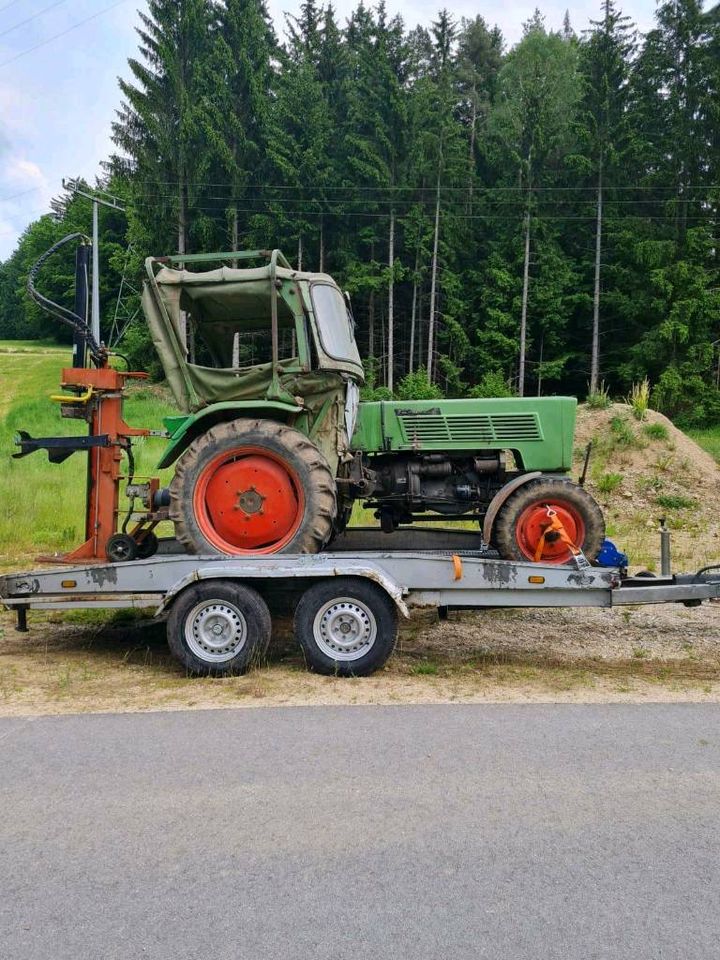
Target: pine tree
[[237, 86], [604, 132], [159, 126], [537, 93]]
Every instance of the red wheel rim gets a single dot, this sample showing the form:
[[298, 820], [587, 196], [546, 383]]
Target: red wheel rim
[[532, 522], [248, 500]]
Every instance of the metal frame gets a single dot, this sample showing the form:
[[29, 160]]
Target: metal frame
[[411, 578]]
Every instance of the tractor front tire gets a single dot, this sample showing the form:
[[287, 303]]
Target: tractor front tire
[[518, 530], [253, 487]]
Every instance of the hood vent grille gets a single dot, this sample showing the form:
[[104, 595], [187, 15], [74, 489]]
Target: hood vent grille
[[494, 429]]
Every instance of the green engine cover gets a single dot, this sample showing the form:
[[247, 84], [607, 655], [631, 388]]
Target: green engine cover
[[539, 431]]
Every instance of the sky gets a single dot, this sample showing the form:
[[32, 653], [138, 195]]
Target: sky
[[60, 61]]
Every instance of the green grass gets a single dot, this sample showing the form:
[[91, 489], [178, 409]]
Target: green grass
[[674, 501], [656, 431], [709, 439], [608, 482], [43, 503], [31, 346]]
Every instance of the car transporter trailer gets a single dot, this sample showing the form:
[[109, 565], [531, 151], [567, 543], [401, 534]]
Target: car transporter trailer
[[346, 601]]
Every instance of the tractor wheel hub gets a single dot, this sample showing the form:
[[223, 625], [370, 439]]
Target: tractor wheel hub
[[250, 501]]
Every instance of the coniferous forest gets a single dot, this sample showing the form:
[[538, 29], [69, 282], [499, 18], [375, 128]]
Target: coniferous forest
[[536, 218]]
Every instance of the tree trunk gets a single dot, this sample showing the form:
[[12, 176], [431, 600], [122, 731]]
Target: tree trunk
[[473, 124], [299, 253], [420, 327], [540, 365], [235, 228], [391, 305], [321, 265], [413, 316], [371, 313], [234, 232], [523, 311], [371, 325], [595, 350], [433, 283]]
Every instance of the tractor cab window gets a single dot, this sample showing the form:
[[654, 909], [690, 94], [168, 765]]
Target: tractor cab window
[[235, 333], [334, 323]]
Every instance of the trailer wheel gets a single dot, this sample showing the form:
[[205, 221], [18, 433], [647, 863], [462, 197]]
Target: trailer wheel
[[218, 627], [346, 626]]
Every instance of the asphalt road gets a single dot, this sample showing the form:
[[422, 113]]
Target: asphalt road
[[443, 832]]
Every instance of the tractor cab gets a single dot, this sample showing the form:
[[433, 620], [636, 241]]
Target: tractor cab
[[253, 333]]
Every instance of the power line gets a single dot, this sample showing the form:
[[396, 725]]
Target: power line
[[326, 201], [432, 190], [8, 5], [458, 216], [62, 33], [22, 193], [33, 17]]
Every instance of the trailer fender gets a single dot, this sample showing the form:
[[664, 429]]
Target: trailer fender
[[310, 566], [501, 497]]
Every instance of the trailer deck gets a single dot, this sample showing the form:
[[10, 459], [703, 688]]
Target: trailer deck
[[346, 601]]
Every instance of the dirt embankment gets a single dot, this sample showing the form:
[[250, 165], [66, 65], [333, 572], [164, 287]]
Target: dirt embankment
[[641, 471]]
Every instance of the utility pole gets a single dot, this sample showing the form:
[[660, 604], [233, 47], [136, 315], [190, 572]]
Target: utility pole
[[107, 200]]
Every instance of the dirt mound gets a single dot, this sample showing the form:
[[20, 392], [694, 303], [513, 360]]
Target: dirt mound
[[641, 471]]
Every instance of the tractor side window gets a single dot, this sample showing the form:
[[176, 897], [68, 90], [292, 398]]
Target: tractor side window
[[334, 323]]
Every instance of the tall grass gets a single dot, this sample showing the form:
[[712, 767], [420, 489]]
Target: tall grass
[[639, 399], [42, 503]]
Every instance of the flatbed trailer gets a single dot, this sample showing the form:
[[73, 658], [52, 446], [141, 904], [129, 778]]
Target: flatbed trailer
[[346, 602]]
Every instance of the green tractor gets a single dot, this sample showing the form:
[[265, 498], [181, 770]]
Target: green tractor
[[274, 445]]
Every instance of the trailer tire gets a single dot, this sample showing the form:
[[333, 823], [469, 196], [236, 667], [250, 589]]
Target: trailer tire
[[250, 487], [346, 626], [518, 525], [218, 627]]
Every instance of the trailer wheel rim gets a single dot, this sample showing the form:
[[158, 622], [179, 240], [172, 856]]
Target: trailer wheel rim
[[530, 526], [215, 631], [345, 629], [248, 501]]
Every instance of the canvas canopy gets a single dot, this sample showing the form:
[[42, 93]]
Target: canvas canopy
[[226, 303]]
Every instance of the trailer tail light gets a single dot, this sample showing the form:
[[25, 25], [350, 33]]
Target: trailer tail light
[[536, 579]]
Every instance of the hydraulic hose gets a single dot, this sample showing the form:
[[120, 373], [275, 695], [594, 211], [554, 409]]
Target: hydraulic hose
[[78, 324]]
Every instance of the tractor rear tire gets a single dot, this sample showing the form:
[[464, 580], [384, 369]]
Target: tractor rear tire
[[518, 528], [251, 487]]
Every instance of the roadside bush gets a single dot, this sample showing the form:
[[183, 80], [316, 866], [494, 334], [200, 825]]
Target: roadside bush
[[416, 386], [686, 398], [492, 384]]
